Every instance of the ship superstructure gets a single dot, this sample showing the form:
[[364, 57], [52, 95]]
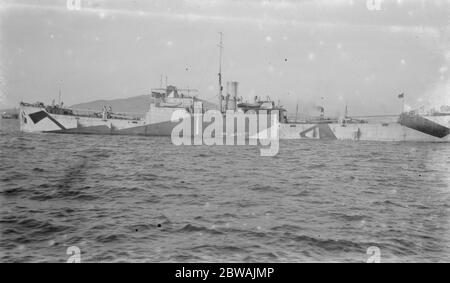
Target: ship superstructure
[[158, 121]]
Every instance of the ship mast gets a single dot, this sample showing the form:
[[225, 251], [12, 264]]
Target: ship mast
[[59, 93], [220, 45]]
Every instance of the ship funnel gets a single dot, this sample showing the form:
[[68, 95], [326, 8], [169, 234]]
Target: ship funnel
[[232, 92]]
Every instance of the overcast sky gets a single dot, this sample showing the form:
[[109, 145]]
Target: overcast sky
[[312, 52]]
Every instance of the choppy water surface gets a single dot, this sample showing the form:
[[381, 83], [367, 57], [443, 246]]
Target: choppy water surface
[[122, 198]]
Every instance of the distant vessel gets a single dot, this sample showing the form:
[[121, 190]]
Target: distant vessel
[[6, 115]]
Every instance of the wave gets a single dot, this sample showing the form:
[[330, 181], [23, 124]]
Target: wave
[[146, 177], [264, 188], [13, 191], [350, 217], [285, 227], [388, 203], [331, 245], [78, 193], [41, 226], [110, 238], [219, 248], [26, 230], [189, 228]]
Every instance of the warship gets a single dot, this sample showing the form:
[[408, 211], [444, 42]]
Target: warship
[[158, 121]]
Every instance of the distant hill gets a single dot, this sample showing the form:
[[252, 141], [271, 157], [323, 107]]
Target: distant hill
[[134, 104]]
